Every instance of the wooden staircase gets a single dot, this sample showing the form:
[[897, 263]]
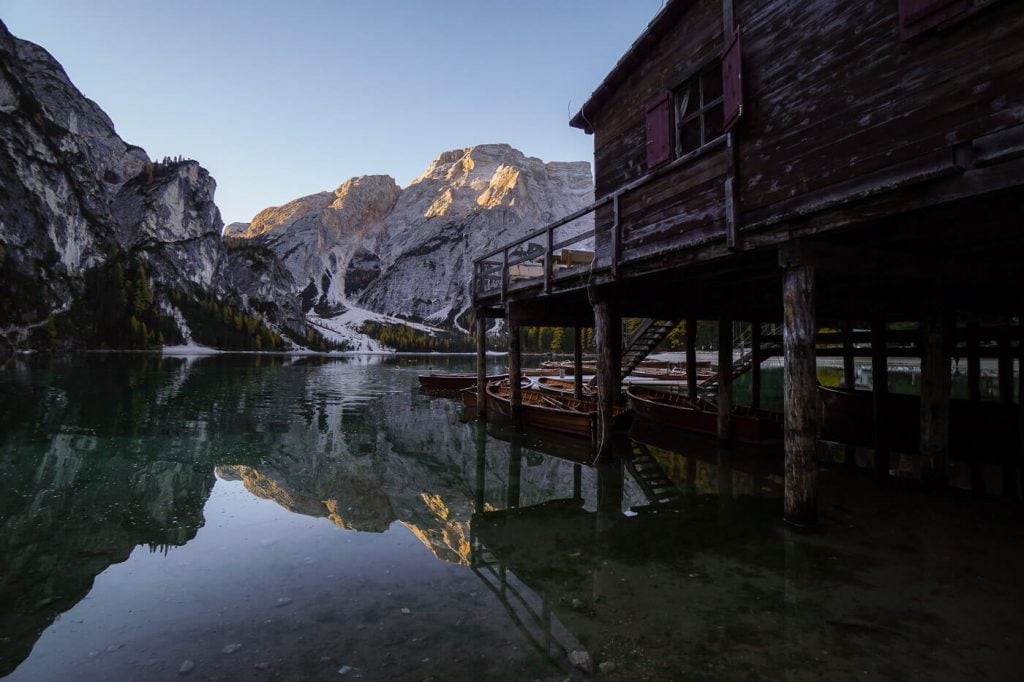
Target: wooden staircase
[[743, 364], [643, 341], [651, 477]]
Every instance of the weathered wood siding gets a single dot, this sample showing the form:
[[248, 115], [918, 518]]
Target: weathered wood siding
[[833, 93], [676, 203]]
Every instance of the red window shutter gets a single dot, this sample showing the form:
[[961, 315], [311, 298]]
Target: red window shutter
[[659, 128], [920, 15], [732, 83]]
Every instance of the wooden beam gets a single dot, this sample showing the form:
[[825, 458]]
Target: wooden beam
[[935, 387], [481, 368], [756, 359], [577, 362], [608, 336], [973, 362], [849, 371], [515, 468], [724, 379], [691, 357], [801, 396], [515, 372], [880, 393]]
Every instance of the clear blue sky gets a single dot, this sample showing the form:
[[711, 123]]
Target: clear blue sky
[[283, 99]]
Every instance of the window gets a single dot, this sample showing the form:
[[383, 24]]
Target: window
[[698, 110]]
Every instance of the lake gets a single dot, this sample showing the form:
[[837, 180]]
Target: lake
[[292, 518]]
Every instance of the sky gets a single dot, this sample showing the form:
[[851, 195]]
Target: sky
[[283, 99]]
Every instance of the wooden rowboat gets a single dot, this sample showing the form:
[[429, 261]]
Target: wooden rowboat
[[554, 413], [751, 426], [470, 397], [563, 387], [451, 383]]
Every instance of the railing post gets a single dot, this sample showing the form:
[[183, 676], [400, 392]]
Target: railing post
[[504, 273]]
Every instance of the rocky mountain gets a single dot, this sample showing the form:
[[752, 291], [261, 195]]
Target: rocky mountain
[[408, 253], [100, 245]]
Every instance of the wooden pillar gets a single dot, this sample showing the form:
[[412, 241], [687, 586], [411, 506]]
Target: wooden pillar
[[481, 468], [691, 357], [577, 481], [481, 367], [755, 367], [577, 362], [724, 379], [1005, 368], [935, 387], [973, 362], [880, 392], [608, 336], [515, 469], [849, 371], [515, 371], [801, 395]]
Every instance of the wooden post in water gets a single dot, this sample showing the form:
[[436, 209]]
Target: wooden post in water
[[935, 387], [515, 372], [1006, 398], [515, 470], [973, 362], [849, 371], [481, 468], [577, 362], [724, 379], [691, 357], [880, 393], [755, 366], [577, 481], [608, 336], [481, 367], [974, 395], [801, 392]]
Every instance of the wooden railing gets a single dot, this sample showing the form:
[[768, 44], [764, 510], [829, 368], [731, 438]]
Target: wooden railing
[[543, 253]]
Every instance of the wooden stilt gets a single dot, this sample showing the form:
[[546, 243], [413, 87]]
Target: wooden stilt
[[724, 379], [608, 335], [935, 387], [577, 481], [974, 395], [801, 395], [1006, 397], [849, 371], [481, 367], [756, 360], [880, 392], [481, 467], [973, 362], [515, 468], [691, 357], [515, 372], [577, 362]]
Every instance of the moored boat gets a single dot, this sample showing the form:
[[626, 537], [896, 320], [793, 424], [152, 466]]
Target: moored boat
[[685, 413], [563, 387], [571, 416], [451, 382]]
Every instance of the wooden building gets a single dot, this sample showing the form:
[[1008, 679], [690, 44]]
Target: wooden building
[[812, 164]]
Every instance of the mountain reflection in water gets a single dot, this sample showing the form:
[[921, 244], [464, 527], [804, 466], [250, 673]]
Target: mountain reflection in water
[[244, 516]]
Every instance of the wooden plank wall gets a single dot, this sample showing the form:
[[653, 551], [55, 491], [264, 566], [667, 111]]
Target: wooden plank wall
[[833, 93]]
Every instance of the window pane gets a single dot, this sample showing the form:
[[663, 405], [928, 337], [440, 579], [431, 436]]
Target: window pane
[[686, 101], [713, 122], [712, 80], [689, 135]]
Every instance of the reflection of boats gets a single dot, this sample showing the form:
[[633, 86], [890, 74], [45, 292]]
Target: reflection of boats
[[553, 413], [753, 426], [980, 430], [452, 382], [563, 387]]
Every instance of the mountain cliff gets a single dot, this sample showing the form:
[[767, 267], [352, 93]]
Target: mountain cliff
[[102, 246], [408, 253]]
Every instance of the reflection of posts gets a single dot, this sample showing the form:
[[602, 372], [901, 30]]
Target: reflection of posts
[[609, 493], [577, 481], [481, 466], [515, 467]]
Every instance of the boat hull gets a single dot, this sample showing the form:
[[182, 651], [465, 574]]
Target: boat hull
[[551, 413], [753, 427]]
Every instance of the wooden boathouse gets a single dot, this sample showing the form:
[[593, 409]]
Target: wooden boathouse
[[801, 166]]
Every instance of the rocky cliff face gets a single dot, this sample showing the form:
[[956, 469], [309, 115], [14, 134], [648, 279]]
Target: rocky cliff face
[[409, 252], [77, 199]]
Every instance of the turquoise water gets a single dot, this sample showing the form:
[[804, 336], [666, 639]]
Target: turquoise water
[[259, 517]]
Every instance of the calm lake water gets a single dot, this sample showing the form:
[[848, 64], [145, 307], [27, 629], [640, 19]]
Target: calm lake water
[[258, 517]]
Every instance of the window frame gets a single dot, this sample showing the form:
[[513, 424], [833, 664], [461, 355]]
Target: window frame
[[712, 68]]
